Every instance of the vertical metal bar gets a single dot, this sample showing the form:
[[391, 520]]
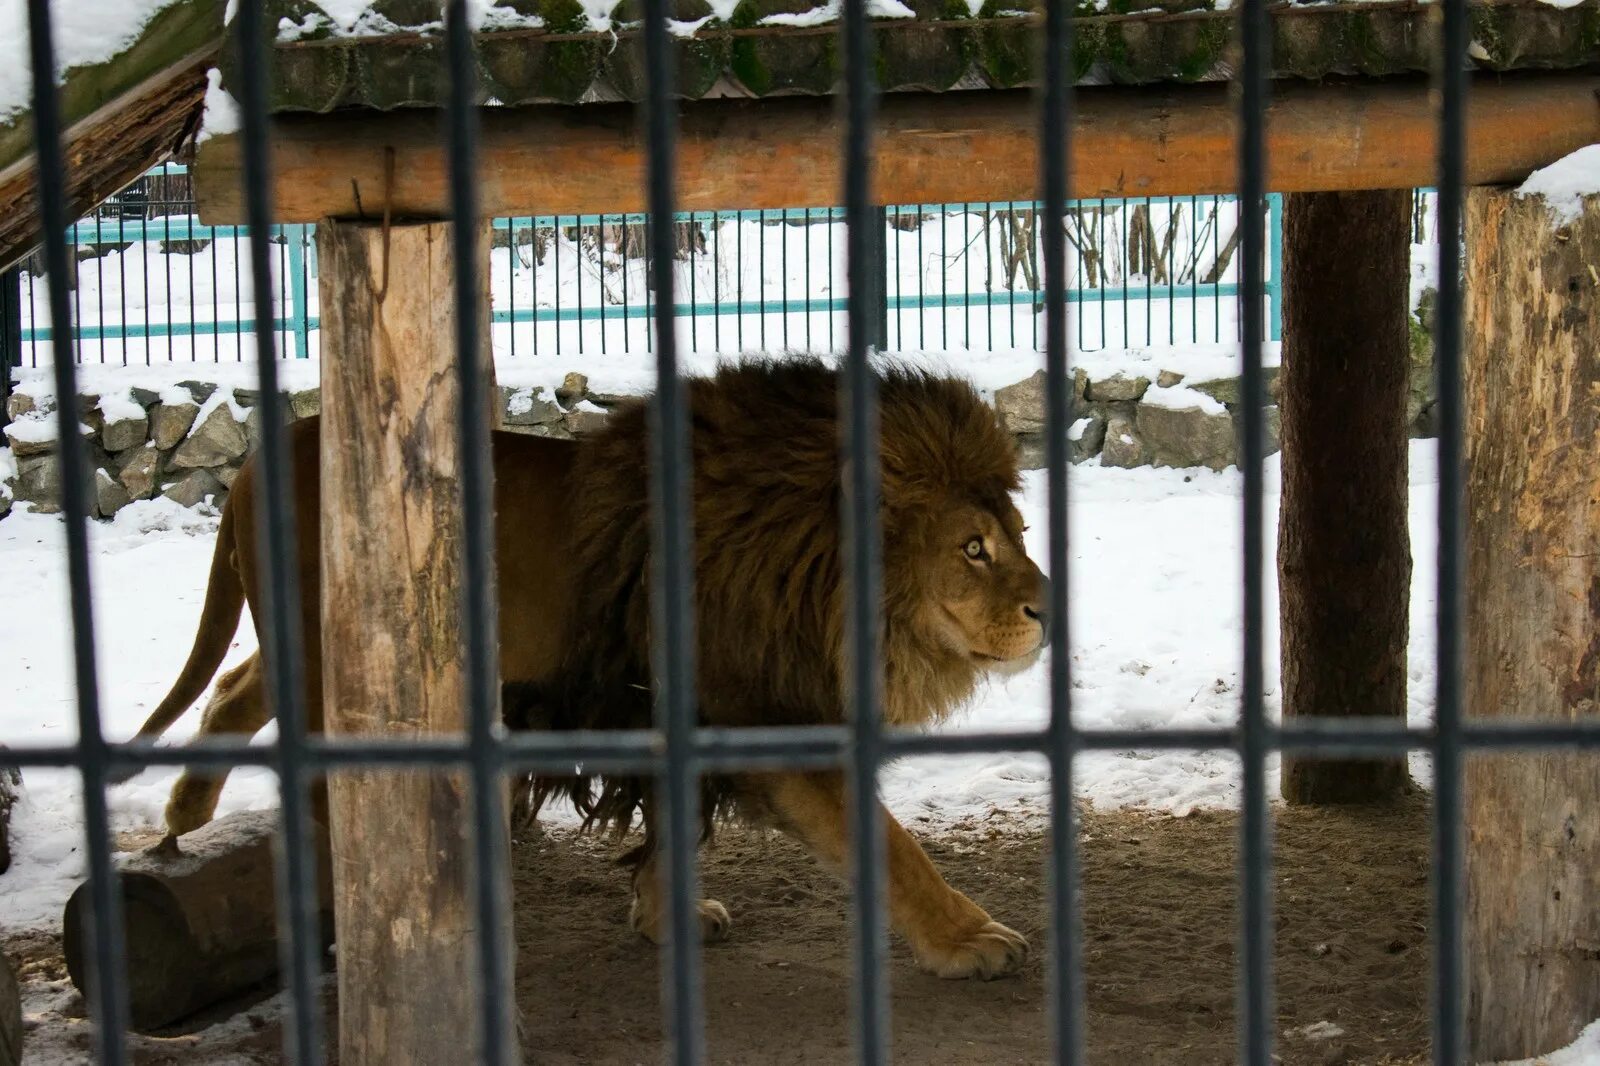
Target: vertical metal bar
[[481, 634], [1255, 891], [280, 591], [671, 576], [108, 1000], [10, 334], [100, 285], [1275, 258], [299, 320], [862, 537], [1066, 952], [880, 293], [1449, 1039]]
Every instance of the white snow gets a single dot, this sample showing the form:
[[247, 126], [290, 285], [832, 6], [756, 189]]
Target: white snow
[[84, 32], [829, 12], [1584, 1051], [1182, 398], [520, 401], [214, 401], [1076, 431], [33, 429], [1564, 183], [118, 406], [221, 109]]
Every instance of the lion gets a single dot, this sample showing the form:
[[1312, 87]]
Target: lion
[[961, 600]]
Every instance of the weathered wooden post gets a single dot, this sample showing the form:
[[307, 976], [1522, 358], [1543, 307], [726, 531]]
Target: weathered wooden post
[[391, 616], [1344, 552], [1533, 619]]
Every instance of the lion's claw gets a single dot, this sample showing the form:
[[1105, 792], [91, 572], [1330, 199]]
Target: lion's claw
[[989, 951]]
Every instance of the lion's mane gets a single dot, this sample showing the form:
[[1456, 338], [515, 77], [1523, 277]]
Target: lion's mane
[[768, 563]]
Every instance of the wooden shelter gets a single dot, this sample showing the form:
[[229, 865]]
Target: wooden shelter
[[358, 135]]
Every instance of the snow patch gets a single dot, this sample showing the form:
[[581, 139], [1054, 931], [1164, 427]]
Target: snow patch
[[214, 401], [119, 407], [1564, 184], [1076, 431], [1182, 398], [33, 429], [520, 401], [221, 109], [829, 12], [84, 31]]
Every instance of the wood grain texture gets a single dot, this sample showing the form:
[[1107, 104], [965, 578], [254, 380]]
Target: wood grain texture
[[1344, 550], [977, 145], [201, 926], [391, 637], [1533, 620]]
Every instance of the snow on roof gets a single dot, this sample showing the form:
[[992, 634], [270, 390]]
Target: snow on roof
[[85, 32]]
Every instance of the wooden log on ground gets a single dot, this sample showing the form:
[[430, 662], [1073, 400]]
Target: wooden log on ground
[[201, 925], [1344, 551], [1533, 620], [970, 146], [392, 647], [10, 788], [10, 1015]]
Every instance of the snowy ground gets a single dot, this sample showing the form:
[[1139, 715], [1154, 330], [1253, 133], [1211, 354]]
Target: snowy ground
[[1156, 638]]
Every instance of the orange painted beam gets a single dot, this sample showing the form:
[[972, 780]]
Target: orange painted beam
[[930, 148]]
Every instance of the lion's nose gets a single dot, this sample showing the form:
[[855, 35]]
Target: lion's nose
[[1040, 612]]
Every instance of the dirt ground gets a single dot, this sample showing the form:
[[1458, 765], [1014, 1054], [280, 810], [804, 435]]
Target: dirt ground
[[1159, 913]]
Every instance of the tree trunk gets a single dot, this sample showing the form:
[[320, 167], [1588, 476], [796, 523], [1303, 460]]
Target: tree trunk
[[392, 624], [1533, 620], [1344, 555], [201, 927]]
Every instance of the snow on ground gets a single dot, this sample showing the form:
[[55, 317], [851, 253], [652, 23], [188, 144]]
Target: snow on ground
[[1584, 1051], [1155, 636]]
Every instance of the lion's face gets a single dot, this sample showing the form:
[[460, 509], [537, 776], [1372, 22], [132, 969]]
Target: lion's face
[[986, 599]]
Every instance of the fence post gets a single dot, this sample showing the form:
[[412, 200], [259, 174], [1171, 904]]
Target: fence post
[[299, 295], [1275, 266], [879, 335], [10, 335]]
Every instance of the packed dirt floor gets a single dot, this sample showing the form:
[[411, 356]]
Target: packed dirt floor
[[1159, 913]]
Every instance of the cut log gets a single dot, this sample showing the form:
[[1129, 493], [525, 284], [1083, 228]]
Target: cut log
[[10, 1015], [1344, 551], [10, 788], [1533, 620], [392, 648], [201, 925]]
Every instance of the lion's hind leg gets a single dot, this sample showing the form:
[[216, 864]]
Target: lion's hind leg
[[239, 706]]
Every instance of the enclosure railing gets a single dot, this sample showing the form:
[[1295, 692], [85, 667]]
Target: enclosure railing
[[150, 283], [675, 751]]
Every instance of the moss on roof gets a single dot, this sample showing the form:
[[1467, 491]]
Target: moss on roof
[[556, 51]]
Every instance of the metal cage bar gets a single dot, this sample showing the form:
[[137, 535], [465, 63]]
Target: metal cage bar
[[108, 994], [1255, 1013], [1449, 1040]]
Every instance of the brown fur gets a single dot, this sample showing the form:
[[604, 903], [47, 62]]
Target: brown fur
[[769, 599]]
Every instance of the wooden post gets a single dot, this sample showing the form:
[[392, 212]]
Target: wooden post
[[391, 624], [1533, 620], [201, 927], [1344, 555]]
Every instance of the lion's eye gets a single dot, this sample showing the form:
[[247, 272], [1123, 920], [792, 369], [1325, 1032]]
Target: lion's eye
[[974, 548]]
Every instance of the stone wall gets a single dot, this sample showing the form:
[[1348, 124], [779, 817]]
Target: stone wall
[[187, 441]]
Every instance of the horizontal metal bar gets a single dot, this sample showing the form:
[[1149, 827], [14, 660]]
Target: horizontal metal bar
[[148, 330], [723, 748]]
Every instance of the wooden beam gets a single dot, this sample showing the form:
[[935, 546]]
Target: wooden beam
[[1532, 394], [391, 635], [1344, 582], [964, 146]]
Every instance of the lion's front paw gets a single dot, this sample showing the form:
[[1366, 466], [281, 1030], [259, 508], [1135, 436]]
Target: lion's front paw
[[986, 951], [651, 922]]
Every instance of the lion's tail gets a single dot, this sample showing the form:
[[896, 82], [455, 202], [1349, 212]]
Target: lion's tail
[[219, 617]]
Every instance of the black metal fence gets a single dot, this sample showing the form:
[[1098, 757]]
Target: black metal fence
[[676, 751]]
